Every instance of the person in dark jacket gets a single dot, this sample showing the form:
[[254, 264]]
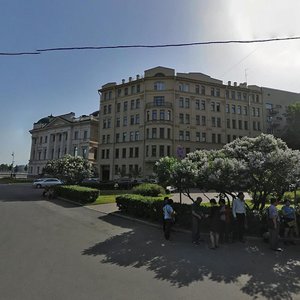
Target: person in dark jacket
[[214, 217]]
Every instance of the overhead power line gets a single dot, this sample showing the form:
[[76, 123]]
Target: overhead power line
[[19, 53], [38, 51]]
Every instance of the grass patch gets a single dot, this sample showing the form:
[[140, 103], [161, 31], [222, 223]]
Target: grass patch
[[104, 199], [6, 180]]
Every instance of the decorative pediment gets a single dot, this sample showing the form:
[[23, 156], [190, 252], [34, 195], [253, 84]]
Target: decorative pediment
[[58, 122]]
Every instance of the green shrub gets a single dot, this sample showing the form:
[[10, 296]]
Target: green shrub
[[151, 208], [77, 193], [149, 189]]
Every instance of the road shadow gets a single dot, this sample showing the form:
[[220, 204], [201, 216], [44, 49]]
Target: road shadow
[[257, 270]]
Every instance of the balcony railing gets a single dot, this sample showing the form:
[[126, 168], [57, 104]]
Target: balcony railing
[[159, 104]]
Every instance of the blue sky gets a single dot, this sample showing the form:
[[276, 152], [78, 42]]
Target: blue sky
[[32, 87]]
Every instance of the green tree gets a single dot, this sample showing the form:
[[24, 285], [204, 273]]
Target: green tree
[[69, 168], [271, 166], [292, 130]]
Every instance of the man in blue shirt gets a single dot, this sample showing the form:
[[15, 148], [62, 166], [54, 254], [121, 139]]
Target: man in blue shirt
[[169, 214], [289, 219]]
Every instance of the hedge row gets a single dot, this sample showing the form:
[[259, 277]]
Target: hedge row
[[150, 208], [77, 193]]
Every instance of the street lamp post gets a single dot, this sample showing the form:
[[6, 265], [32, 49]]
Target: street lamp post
[[12, 164]]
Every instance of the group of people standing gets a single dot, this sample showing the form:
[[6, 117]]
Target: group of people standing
[[227, 224]]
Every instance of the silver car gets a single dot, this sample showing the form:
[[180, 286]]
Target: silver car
[[45, 182]]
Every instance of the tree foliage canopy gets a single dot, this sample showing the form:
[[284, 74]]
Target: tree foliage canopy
[[69, 168], [263, 166]]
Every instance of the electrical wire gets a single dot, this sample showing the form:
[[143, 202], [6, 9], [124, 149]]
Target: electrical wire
[[38, 51]]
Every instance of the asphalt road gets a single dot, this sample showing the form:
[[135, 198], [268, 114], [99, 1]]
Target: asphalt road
[[55, 250]]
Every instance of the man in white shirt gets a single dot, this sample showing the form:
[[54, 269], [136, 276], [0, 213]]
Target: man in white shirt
[[239, 216]]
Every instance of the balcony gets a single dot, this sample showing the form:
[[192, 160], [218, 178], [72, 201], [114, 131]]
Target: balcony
[[159, 104], [156, 122]]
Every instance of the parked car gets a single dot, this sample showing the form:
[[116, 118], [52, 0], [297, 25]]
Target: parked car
[[91, 182], [171, 189], [45, 182], [125, 183]]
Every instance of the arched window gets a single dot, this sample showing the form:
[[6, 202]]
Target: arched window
[[159, 86]]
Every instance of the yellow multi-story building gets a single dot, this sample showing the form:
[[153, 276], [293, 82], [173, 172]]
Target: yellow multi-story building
[[167, 114], [55, 136]]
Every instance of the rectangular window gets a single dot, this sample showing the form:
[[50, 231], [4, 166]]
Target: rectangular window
[[168, 150], [213, 138], [219, 138], [131, 136], [161, 133], [233, 95], [197, 89], [187, 103], [117, 153], [240, 124], [233, 124], [181, 102], [203, 120], [154, 136], [168, 133], [202, 104], [187, 136], [228, 138], [154, 114], [161, 151], [118, 107], [197, 104], [239, 109], [187, 118], [198, 137], [124, 153], [218, 92], [213, 122], [161, 114], [233, 108], [245, 111], [202, 90], [212, 106], [130, 152], [137, 103], [132, 89], [124, 136], [203, 136], [137, 119], [228, 123], [197, 120], [159, 100], [153, 150], [136, 152], [124, 121], [137, 135], [117, 137], [138, 88], [246, 125], [132, 118], [132, 104], [125, 106], [227, 108], [181, 118], [219, 122], [181, 137], [212, 91]]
